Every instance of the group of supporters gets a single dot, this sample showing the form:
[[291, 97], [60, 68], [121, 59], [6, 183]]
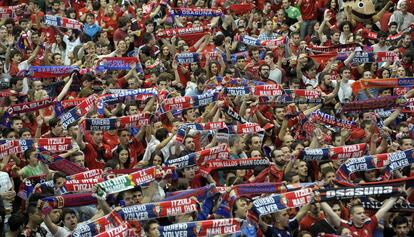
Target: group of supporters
[[206, 118]]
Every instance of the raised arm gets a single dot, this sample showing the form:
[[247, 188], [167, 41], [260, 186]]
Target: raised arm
[[335, 219], [385, 207], [65, 89]]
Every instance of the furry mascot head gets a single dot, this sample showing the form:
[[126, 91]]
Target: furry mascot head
[[364, 10]]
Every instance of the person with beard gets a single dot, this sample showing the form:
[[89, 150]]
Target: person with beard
[[279, 164], [189, 146], [264, 72]]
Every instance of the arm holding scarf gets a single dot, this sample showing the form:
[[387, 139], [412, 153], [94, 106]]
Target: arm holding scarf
[[388, 204], [331, 215]]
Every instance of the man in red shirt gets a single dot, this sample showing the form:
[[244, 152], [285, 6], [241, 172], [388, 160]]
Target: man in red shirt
[[96, 152], [124, 24], [309, 9], [359, 224]]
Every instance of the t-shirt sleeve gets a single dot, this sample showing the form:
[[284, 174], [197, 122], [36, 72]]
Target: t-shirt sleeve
[[62, 232], [373, 223], [293, 224]]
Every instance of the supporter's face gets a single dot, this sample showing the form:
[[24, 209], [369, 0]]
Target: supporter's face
[[256, 54], [255, 154], [191, 115], [58, 60], [407, 40], [133, 110], [278, 157], [162, 85], [70, 221], [58, 129], [346, 232], [17, 58], [214, 69], [35, 38], [386, 92], [128, 199], [283, 218], [402, 230], [256, 144], [124, 137], [122, 45], [188, 173], [193, 66], [265, 72], [137, 197], [268, 6], [17, 125], [12, 135], [335, 37], [268, 60], [73, 131], [385, 74], [269, 26], [189, 144], [55, 215], [370, 175], [288, 140], [26, 135], [367, 75], [79, 160], [337, 209], [123, 156], [149, 28], [347, 28], [329, 177], [358, 216], [392, 29], [153, 230], [89, 20], [140, 12], [406, 144], [346, 74], [37, 217], [280, 113], [60, 182], [3, 33], [241, 63], [91, 50], [401, 72], [98, 137], [242, 209], [302, 169], [403, 6], [337, 141], [157, 161], [285, 4], [196, 24]]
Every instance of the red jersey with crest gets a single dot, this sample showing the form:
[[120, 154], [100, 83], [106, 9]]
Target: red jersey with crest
[[366, 230]]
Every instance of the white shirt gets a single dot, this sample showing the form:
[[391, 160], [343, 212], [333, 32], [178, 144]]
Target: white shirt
[[345, 90], [276, 75], [70, 46]]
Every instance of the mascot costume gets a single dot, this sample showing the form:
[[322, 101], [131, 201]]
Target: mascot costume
[[363, 11]]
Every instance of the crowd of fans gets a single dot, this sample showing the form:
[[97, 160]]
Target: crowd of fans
[[297, 58]]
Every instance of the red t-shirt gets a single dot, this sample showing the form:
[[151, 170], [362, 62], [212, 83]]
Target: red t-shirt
[[91, 156], [308, 10], [366, 230], [110, 140], [119, 34]]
